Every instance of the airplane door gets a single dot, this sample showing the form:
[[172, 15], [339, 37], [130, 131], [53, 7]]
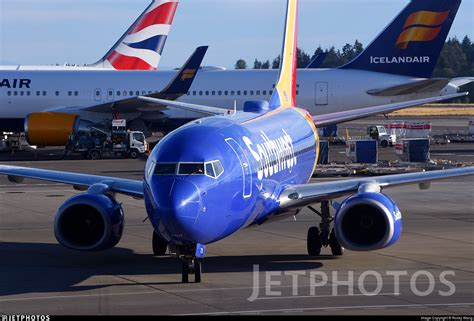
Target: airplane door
[[321, 93], [98, 94], [110, 94], [244, 163]]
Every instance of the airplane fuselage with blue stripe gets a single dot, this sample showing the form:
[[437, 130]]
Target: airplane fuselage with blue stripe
[[260, 154]]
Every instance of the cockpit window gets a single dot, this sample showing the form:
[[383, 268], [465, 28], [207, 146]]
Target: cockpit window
[[191, 169], [218, 169], [165, 169], [212, 169]]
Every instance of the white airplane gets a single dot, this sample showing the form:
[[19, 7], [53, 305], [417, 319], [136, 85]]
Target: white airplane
[[140, 47], [216, 176], [396, 67]]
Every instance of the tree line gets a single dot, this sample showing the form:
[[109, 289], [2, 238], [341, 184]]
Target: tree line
[[456, 60]]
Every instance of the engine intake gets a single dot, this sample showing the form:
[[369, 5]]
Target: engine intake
[[367, 222], [89, 222]]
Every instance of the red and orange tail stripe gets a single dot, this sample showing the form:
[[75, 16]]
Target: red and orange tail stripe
[[421, 26]]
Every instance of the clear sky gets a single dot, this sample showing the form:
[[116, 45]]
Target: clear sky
[[82, 31]]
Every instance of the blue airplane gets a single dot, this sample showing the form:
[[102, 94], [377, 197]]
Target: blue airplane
[[218, 175]]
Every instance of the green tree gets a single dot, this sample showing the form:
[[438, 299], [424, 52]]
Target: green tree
[[266, 65], [257, 64], [241, 64]]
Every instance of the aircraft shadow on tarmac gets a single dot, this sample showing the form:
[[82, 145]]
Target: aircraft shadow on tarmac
[[40, 267]]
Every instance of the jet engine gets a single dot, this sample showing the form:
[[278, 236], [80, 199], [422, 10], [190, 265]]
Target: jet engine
[[89, 222], [51, 129], [368, 222]]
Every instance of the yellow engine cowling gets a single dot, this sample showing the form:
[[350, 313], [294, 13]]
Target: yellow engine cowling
[[49, 129]]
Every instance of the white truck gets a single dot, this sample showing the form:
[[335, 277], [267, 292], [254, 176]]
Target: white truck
[[380, 134]]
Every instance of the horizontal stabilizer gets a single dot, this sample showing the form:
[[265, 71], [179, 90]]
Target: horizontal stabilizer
[[346, 116], [461, 81], [421, 86]]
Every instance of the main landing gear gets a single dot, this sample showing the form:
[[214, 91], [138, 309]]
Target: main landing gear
[[324, 235], [191, 266]]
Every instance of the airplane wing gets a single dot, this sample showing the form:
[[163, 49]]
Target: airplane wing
[[420, 86], [346, 116], [205, 110], [105, 184], [297, 196], [178, 87]]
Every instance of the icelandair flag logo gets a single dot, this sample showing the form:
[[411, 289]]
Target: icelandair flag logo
[[421, 26], [188, 74]]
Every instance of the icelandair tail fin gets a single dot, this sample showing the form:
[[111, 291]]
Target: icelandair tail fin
[[141, 46], [412, 43], [284, 94]]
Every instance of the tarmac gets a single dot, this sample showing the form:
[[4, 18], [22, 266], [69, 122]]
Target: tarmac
[[433, 260]]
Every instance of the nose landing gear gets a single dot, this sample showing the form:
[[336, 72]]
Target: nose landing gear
[[191, 257], [324, 235]]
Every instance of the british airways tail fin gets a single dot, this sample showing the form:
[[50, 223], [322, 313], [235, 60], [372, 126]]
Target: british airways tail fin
[[412, 43], [284, 94], [141, 46]]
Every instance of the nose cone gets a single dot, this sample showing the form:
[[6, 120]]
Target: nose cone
[[179, 204]]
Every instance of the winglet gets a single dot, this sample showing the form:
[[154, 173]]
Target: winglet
[[184, 79], [284, 94]]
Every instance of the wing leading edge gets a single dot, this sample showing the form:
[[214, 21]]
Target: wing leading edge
[[128, 187], [297, 196]]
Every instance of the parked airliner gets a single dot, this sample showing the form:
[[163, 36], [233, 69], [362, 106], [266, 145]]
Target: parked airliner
[[218, 175], [140, 47], [396, 67]]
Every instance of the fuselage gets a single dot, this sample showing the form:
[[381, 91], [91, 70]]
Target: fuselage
[[320, 91], [215, 176]]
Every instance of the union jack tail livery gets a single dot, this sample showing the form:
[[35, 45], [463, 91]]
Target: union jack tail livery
[[141, 47]]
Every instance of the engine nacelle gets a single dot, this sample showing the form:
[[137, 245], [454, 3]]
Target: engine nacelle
[[368, 222], [89, 222], [50, 129]]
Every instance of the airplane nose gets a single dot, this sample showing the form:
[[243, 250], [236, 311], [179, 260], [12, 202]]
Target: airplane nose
[[179, 206]]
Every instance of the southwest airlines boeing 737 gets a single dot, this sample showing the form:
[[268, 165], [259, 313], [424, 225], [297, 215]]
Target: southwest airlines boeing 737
[[218, 175], [396, 67]]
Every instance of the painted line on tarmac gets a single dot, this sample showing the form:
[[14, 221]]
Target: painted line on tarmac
[[390, 306]]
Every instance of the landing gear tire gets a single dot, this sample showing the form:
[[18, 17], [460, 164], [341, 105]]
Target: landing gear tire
[[336, 248], [191, 267], [314, 242], [94, 154], [159, 245]]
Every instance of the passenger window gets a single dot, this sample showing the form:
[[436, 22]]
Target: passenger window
[[258, 92], [15, 93], [238, 92], [131, 93], [213, 93], [207, 93], [38, 93], [245, 92], [27, 93], [9, 93], [251, 93], [118, 93], [21, 93], [200, 93], [264, 92], [124, 93], [165, 169], [191, 169], [220, 93], [69, 93], [232, 93], [194, 93], [57, 93], [44, 93], [76, 93], [226, 93], [137, 93]]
